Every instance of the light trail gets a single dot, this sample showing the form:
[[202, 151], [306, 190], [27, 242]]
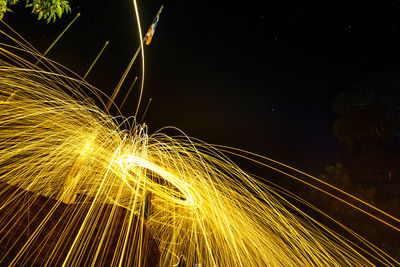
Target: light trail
[[204, 208], [142, 49], [58, 38], [127, 94], [251, 156], [121, 81], [56, 143], [146, 109], [95, 60]]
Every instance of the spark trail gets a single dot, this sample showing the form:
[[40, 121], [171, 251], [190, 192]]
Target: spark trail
[[54, 142]]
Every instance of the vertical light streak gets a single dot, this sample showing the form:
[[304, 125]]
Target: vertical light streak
[[142, 48]]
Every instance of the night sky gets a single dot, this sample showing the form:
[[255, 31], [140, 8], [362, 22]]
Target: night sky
[[258, 75]]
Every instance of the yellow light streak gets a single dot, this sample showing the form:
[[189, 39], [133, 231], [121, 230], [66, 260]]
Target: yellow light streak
[[146, 109], [58, 38], [95, 60], [142, 49], [204, 208], [54, 142], [127, 94]]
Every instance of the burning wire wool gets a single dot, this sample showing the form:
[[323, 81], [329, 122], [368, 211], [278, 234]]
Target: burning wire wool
[[204, 209], [198, 205]]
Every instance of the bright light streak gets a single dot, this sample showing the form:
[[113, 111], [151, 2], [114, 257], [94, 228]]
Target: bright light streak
[[56, 143]]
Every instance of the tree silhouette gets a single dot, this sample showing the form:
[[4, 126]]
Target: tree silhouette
[[368, 125]]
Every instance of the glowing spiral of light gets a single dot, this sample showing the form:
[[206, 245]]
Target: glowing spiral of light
[[55, 142]]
